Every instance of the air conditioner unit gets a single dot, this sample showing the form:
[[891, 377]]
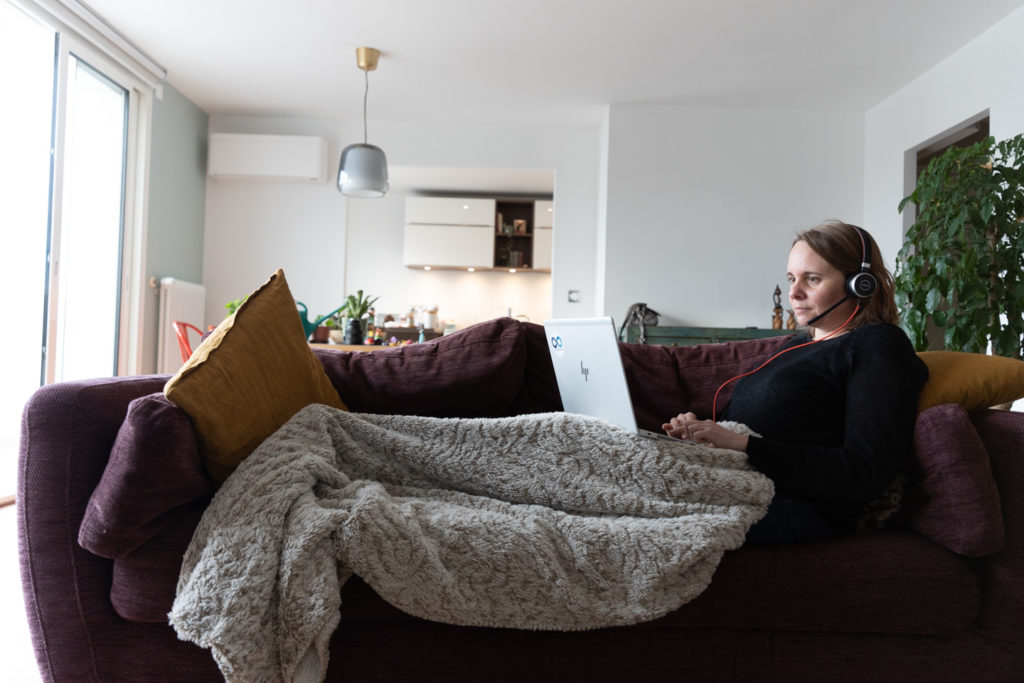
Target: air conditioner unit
[[267, 157]]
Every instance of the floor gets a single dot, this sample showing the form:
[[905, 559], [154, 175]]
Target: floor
[[19, 662]]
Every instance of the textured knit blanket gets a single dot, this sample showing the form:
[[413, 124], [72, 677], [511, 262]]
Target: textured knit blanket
[[550, 521]]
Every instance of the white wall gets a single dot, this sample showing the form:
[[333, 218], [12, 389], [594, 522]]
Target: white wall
[[703, 204], [690, 210], [254, 227], [983, 75]]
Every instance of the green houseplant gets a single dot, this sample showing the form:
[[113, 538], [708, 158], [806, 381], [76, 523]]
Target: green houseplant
[[356, 305], [961, 268], [350, 317]]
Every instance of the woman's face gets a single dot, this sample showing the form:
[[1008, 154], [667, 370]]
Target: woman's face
[[814, 286]]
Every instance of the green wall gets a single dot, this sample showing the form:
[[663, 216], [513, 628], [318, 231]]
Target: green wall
[[177, 201]]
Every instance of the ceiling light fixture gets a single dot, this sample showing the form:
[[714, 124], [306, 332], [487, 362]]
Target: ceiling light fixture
[[363, 169]]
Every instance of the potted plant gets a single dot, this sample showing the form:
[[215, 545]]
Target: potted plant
[[960, 272], [351, 317], [321, 333]]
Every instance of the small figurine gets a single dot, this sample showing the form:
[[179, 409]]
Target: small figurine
[[791, 322], [777, 311]]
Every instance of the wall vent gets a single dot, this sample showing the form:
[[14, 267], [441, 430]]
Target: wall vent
[[267, 157]]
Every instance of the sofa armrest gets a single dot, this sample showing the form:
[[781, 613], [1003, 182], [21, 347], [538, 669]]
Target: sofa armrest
[[67, 433], [1002, 574]]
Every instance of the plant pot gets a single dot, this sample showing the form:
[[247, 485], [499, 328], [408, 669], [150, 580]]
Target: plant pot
[[321, 334], [353, 333]]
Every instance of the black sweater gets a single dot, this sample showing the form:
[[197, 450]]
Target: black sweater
[[836, 417]]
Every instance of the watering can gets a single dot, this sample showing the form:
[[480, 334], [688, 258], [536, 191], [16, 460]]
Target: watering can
[[307, 325]]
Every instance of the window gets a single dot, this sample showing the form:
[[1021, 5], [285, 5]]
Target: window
[[77, 102], [88, 266]]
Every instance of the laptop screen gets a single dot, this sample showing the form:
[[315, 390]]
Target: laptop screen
[[589, 370]]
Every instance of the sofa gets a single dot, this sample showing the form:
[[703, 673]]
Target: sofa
[[111, 485]]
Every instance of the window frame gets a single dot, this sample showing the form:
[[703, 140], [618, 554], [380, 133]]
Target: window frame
[[75, 27]]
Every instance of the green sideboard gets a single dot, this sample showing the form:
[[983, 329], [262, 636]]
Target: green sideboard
[[687, 336]]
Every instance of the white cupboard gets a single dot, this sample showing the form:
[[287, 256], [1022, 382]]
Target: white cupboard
[[449, 232], [450, 211], [543, 213], [448, 246], [542, 248], [480, 233]]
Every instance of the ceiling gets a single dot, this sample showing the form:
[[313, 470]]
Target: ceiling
[[543, 61]]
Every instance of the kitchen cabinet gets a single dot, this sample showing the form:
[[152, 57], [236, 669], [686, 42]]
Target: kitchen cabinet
[[479, 233], [448, 232], [449, 211], [543, 223], [448, 246], [543, 213], [542, 249]]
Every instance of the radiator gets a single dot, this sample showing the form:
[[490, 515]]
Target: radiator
[[179, 301]]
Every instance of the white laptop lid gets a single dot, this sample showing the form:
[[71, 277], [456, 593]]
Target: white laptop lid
[[589, 370]]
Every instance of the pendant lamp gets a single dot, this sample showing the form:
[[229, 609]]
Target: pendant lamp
[[363, 169]]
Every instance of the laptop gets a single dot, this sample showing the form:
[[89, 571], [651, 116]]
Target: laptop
[[591, 377]]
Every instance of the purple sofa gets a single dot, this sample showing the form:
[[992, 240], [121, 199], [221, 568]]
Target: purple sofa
[[938, 594]]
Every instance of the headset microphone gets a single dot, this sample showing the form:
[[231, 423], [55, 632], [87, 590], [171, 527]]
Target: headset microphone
[[827, 311]]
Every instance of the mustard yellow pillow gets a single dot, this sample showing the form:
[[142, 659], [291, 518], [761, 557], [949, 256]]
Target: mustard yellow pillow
[[973, 380], [249, 377]]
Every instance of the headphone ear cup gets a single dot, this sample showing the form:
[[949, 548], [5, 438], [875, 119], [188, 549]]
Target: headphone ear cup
[[861, 285]]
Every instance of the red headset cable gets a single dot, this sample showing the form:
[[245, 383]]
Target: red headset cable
[[714, 402]]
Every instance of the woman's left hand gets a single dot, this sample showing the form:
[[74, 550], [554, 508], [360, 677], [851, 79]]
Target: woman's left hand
[[717, 436]]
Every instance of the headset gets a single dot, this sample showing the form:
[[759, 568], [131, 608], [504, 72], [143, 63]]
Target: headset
[[860, 285]]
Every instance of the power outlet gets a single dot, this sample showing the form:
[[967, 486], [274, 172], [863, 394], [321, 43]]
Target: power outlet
[[574, 296]]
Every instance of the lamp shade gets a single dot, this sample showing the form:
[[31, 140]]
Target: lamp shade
[[363, 171]]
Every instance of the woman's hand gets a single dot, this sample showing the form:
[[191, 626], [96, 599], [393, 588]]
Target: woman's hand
[[679, 426], [687, 426]]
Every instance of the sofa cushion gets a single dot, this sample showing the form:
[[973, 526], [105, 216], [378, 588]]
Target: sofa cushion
[[475, 372], [973, 380], [248, 377], [666, 380], [153, 471], [871, 582], [952, 496], [874, 582], [144, 581]]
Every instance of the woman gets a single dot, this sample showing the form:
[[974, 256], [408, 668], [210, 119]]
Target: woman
[[835, 408]]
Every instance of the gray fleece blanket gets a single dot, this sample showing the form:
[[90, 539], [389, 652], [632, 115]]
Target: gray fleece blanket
[[550, 521]]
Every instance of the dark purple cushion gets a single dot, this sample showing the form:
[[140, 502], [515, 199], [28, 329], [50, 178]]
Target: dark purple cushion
[[475, 372], [145, 580], [154, 469], [952, 497], [666, 380]]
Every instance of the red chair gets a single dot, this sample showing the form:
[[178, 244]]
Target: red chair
[[181, 330]]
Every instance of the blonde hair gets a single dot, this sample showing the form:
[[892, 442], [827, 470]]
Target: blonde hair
[[840, 244]]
